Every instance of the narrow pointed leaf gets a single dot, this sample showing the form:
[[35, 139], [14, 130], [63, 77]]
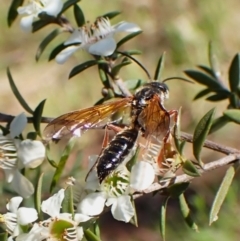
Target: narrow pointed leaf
[[177, 189], [46, 41], [37, 116], [67, 204], [90, 236], [67, 5], [81, 67], [234, 74], [111, 15], [218, 97], [202, 93], [39, 24], [133, 84], [127, 38], [62, 162], [221, 194], [207, 70], [204, 79], [159, 68], [32, 135], [133, 52], [213, 61], [103, 76], [38, 195], [162, 221], [117, 68], [56, 51], [79, 16], [96, 228], [186, 212], [201, 132], [234, 101], [12, 13], [233, 115], [17, 93], [218, 123], [190, 169]]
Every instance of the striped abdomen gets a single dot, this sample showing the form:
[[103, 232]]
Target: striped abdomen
[[118, 150]]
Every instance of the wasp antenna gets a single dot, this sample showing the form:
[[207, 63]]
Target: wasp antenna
[[180, 78], [137, 62]]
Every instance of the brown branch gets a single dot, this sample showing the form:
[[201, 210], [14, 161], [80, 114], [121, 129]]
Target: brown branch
[[186, 178]]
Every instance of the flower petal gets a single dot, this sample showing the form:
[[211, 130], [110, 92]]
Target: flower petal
[[17, 125], [53, 7], [31, 153], [79, 233], [22, 185], [63, 56], [13, 204], [142, 175], [75, 38], [79, 218], [92, 204], [52, 205], [103, 47], [122, 209], [126, 27], [26, 215], [26, 23]]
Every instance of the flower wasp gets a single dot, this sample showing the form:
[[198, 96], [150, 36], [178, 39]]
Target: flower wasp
[[148, 117]]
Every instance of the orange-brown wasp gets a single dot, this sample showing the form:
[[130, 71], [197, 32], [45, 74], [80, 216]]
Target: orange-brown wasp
[[148, 116]]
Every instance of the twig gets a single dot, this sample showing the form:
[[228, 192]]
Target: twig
[[186, 178]]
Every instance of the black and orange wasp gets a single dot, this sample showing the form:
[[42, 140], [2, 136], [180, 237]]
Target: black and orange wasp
[[148, 117]]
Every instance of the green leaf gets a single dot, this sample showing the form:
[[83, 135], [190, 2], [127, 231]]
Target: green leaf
[[32, 135], [190, 169], [162, 223], [177, 189], [186, 212], [46, 41], [17, 94], [234, 101], [234, 74], [37, 116], [4, 236], [207, 70], [213, 61], [221, 194], [81, 67], [133, 52], [79, 16], [202, 93], [159, 68], [218, 97], [39, 24], [56, 51], [204, 79], [67, 204], [62, 162], [67, 5], [117, 68], [38, 195], [218, 123], [103, 76], [133, 84], [13, 13], [90, 236], [233, 115], [127, 38], [201, 133], [111, 15]]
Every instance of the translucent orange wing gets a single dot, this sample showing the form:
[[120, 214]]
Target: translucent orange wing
[[155, 118], [76, 122]]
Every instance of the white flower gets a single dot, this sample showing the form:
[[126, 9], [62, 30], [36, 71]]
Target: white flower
[[60, 226], [16, 154], [115, 190], [97, 39], [17, 217], [32, 10]]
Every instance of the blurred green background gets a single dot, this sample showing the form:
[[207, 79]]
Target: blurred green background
[[182, 29]]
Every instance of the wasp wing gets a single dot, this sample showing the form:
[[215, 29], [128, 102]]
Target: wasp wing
[[155, 119], [76, 122]]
